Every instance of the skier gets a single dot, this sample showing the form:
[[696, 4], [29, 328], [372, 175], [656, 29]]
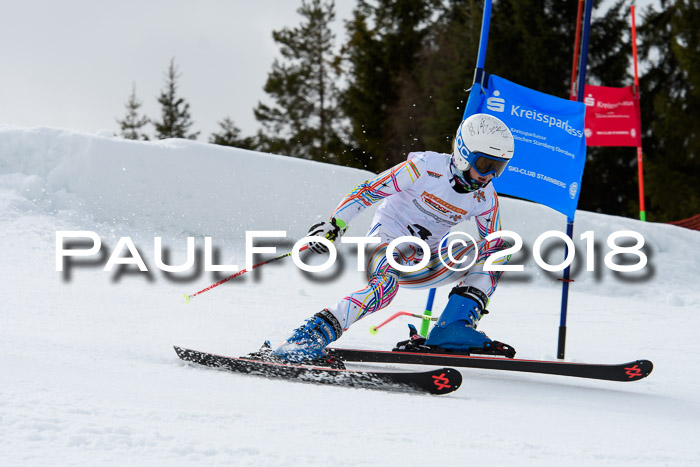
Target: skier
[[422, 197]]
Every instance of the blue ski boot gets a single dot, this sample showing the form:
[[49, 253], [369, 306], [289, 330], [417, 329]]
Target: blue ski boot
[[455, 331], [309, 341]]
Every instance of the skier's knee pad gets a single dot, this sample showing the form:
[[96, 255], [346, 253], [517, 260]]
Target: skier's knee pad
[[464, 304]]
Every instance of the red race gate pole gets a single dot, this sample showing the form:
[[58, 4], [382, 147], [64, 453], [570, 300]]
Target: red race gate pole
[[642, 211], [577, 44]]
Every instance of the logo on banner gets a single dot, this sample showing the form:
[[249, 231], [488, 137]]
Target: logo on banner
[[496, 104], [612, 116], [573, 189]]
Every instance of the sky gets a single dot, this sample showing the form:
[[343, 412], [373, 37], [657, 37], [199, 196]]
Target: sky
[[72, 63]]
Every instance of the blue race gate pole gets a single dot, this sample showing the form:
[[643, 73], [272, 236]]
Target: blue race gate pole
[[484, 38], [583, 63], [565, 294], [479, 74]]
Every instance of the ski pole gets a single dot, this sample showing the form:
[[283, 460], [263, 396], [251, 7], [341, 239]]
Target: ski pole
[[375, 329], [188, 298]]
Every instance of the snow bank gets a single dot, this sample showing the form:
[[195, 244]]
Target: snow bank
[[176, 187]]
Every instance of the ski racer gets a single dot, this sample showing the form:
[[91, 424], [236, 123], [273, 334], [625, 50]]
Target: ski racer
[[422, 197]]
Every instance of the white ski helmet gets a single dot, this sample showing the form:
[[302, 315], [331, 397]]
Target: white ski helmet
[[483, 142]]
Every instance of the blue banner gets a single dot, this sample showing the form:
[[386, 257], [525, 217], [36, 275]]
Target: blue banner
[[550, 145]]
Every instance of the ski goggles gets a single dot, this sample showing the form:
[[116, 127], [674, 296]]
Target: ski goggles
[[484, 164]]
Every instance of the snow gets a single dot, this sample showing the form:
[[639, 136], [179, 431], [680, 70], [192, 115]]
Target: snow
[[89, 376]]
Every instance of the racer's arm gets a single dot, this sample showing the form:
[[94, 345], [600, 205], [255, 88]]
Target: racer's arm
[[387, 183]]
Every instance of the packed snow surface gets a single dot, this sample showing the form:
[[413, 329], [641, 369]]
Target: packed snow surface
[[89, 376]]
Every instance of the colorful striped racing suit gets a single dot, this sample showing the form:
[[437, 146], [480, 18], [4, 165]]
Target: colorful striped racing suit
[[419, 201]]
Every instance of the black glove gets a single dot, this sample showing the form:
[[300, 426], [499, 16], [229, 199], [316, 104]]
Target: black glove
[[330, 230]]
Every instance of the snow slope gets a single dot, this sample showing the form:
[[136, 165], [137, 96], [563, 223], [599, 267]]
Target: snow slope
[[88, 375]]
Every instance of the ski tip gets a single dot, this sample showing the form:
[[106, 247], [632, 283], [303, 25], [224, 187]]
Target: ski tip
[[638, 369], [445, 381], [182, 352], [185, 354]]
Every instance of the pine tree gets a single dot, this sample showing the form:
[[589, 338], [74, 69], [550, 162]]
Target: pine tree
[[230, 135], [670, 98], [445, 71], [531, 43], [386, 37], [132, 123], [175, 111], [305, 120]]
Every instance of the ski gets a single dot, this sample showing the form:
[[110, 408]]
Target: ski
[[440, 381], [632, 371]]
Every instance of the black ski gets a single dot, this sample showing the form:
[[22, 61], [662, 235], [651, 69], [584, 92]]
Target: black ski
[[632, 371], [440, 381]]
